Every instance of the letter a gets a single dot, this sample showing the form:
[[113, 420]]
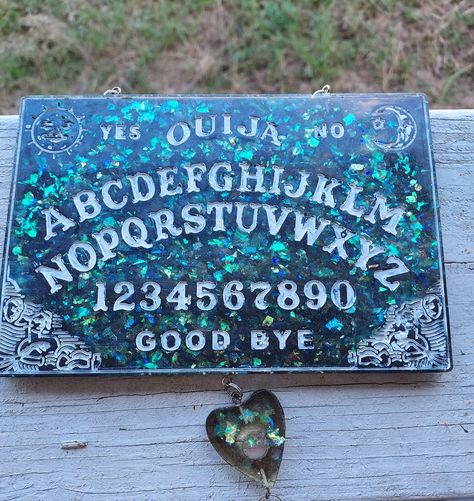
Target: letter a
[[58, 220]]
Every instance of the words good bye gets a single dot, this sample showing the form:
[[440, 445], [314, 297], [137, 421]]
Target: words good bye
[[218, 340], [221, 216]]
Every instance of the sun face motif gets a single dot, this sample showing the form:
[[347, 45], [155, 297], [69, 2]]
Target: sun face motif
[[56, 130]]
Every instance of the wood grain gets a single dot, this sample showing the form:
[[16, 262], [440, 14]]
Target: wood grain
[[367, 436]]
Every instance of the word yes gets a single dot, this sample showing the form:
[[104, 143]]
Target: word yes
[[120, 131]]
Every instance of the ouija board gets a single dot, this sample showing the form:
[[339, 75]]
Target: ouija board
[[194, 234]]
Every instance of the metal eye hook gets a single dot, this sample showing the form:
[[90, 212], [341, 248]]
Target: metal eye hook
[[323, 90], [269, 495], [235, 392], [114, 91]]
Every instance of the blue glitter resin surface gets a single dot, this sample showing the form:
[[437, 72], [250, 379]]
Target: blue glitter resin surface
[[223, 233]]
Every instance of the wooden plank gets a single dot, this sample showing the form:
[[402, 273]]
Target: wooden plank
[[368, 436]]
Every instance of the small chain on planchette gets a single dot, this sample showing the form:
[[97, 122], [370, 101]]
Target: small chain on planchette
[[235, 393]]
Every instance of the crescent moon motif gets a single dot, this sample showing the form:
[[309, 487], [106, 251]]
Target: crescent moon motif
[[405, 128]]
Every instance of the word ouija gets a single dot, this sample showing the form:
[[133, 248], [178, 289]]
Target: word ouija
[[220, 216], [180, 132]]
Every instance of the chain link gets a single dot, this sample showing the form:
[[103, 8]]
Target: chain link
[[235, 392]]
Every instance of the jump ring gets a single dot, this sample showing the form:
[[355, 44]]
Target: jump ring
[[323, 90], [114, 91], [234, 391]]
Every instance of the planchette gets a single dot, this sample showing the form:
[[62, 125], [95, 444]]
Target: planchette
[[250, 436]]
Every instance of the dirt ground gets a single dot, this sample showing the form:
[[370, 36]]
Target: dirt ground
[[245, 46]]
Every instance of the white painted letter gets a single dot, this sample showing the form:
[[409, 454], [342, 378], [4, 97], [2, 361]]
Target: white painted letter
[[240, 216], [195, 345], [213, 173], [105, 245], [323, 192], [135, 240], [164, 219], [273, 225], [308, 228], [382, 275], [195, 172], [60, 219], [301, 188], [167, 180], [185, 133], [108, 199], [138, 195], [172, 336], [82, 204], [258, 340], [145, 341], [282, 337], [271, 130], [199, 222], [305, 339], [87, 252], [60, 273], [253, 128], [106, 130], [394, 214], [219, 208], [349, 203], [220, 340], [200, 132], [342, 234], [246, 177], [368, 252]]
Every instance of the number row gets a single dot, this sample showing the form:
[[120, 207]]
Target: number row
[[342, 295]]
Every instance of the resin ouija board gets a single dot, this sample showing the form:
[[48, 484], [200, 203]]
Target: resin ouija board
[[223, 233]]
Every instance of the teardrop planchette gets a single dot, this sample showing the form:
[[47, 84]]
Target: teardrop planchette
[[250, 436]]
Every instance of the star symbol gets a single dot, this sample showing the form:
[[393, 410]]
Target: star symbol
[[378, 123]]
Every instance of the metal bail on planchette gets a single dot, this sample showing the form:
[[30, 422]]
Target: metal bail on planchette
[[250, 435]]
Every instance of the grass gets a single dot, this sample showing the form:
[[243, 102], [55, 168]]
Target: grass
[[158, 46]]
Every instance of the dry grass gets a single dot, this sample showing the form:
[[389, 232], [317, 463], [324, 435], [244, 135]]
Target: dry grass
[[164, 46]]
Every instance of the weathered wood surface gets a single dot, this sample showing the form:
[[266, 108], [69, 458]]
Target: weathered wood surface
[[369, 436]]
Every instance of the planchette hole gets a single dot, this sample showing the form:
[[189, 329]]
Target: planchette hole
[[253, 442]]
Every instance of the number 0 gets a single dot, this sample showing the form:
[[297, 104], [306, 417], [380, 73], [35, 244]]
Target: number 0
[[343, 295]]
